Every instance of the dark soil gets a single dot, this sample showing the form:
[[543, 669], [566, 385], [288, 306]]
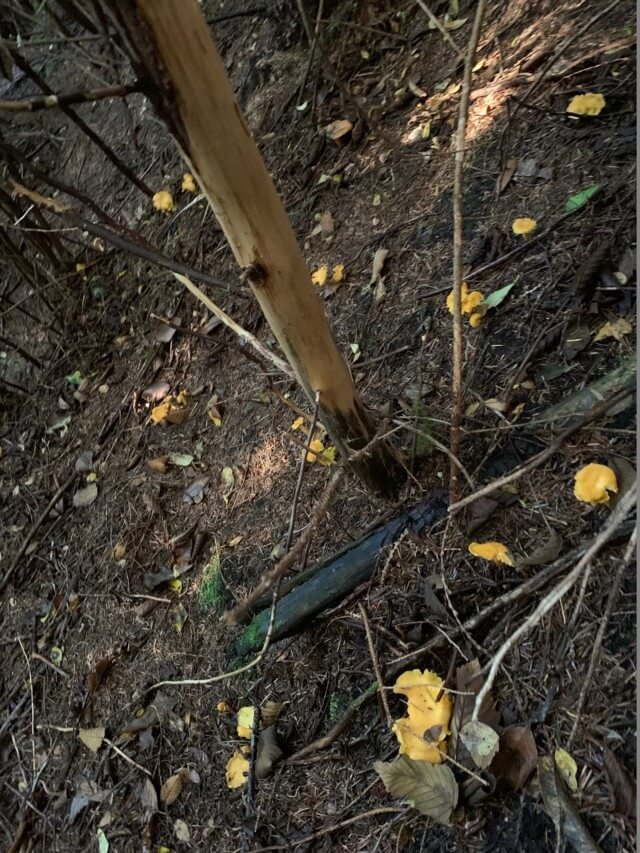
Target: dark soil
[[86, 636]]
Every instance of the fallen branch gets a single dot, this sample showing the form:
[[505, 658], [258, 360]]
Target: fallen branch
[[48, 102], [244, 336], [458, 190], [441, 29], [597, 411], [557, 593]]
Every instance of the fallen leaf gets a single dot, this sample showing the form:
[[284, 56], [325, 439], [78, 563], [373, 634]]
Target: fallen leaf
[[99, 671], [568, 768], [623, 790], [495, 552], [165, 333], [181, 830], [156, 392], [180, 617], [182, 460], [237, 770], [496, 405], [498, 296], [148, 796], [159, 464], [561, 808], [416, 90], [626, 476], [326, 224], [85, 497], [379, 291], [432, 789], [163, 200], [92, 738], [155, 713], [469, 682], [575, 202], [504, 178], [245, 721], [545, 553], [214, 411], [171, 788], [338, 129], [194, 493], [355, 351], [378, 263], [529, 172], [480, 512], [188, 183], [235, 540], [75, 379], [84, 462], [577, 338], [228, 480], [424, 714], [614, 329], [594, 483], [455, 25], [172, 409], [270, 712], [482, 742], [103, 842], [517, 757], [268, 753], [78, 803], [320, 276]]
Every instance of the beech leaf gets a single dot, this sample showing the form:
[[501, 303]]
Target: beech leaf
[[86, 496], [171, 788], [92, 738], [431, 788], [482, 742]]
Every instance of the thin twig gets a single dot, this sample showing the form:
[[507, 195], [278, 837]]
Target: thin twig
[[443, 448], [122, 754], [597, 646], [598, 410], [555, 595], [303, 462], [312, 51], [441, 29], [376, 665], [458, 191], [49, 663], [245, 336], [48, 102]]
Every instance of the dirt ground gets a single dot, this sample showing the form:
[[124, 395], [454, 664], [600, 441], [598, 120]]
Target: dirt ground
[[101, 602]]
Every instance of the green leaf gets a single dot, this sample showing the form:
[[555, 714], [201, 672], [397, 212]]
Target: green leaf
[[498, 296], [432, 788], [182, 460], [575, 202], [103, 842], [75, 378]]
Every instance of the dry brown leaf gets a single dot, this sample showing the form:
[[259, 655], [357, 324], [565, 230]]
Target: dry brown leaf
[[338, 129], [545, 553], [481, 741], [171, 788], [85, 497], [181, 831], [517, 757], [92, 738], [617, 329], [623, 791], [268, 752], [159, 464]]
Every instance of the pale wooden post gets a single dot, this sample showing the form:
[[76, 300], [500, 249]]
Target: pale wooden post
[[182, 73]]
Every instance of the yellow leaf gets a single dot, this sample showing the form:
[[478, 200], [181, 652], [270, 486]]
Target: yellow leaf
[[228, 481], [92, 477], [181, 617], [423, 732], [56, 654], [468, 301], [188, 183], [119, 551], [163, 200], [298, 423], [222, 707], [495, 552], [237, 770], [245, 719], [92, 738], [568, 768], [594, 482], [176, 585], [590, 104], [337, 129], [80, 267], [320, 276], [235, 541], [338, 273], [524, 226], [614, 329]]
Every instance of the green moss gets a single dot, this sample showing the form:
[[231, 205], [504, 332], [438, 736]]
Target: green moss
[[253, 635], [336, 704], [425, 426], [211, 586]]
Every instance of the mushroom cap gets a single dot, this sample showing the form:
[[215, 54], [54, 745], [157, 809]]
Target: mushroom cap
[[594, 482], [524, 225], [590, 104]]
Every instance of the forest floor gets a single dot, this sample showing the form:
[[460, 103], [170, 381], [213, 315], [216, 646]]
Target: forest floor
[[123, 581]]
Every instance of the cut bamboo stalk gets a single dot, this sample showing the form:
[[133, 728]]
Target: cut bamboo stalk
[[182, 73]]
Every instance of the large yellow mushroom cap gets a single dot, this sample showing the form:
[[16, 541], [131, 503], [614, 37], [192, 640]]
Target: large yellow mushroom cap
[[523, 226], [496, 552], [594, 482], [163, 200], [422, 733], [590, 104]]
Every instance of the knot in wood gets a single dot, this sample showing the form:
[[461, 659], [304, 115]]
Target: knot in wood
[[255, 274]]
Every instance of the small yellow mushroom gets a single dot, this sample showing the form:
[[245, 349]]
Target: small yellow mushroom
[[495, 552], [222, 707], [469, 301], [590, 104], [245, 720], [298, 423], [338, 273], [163, 200], [237, 770], [524, 226], [594, 482], [188, 183], [320, 276]]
